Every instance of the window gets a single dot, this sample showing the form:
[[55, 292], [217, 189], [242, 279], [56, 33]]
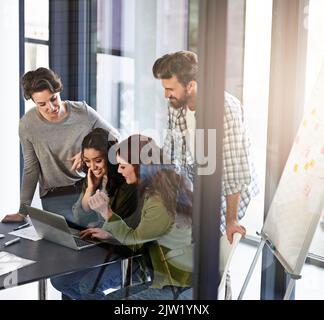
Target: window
[[36, 33], [36, 46], [9, 113], [310, 286], [130, 37], [255, 98], [314, 15], [36, 36], [258, 22]]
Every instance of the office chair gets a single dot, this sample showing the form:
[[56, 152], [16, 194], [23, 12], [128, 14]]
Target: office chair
[[184, 262]]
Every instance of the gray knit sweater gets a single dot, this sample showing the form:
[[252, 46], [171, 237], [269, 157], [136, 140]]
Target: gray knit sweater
[[48, 146]]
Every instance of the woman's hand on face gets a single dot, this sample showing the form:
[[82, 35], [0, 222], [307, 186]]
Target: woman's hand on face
[[95, 233], [99, 203], [76, 165], [93, 181]]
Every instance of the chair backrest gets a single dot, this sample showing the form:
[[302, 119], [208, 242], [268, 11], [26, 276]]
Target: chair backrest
[[226, 251]]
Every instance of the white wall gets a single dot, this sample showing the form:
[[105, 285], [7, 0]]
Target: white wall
[[9, 111]]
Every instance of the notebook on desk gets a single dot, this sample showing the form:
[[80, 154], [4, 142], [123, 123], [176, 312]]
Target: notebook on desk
[[53, 227]]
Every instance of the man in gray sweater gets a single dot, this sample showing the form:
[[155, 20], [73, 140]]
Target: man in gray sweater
[[51, 134]]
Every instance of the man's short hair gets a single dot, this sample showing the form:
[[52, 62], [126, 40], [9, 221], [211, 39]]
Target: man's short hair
[[182, 64], [39, 80]]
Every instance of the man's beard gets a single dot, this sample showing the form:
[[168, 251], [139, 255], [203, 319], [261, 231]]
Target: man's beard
[[177, 103]]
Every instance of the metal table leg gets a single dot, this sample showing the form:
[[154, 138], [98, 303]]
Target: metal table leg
[[42, 289], [126, 271]]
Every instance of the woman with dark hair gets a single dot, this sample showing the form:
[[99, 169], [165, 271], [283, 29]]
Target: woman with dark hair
[[98, 156], [165, 205], [51, 134]]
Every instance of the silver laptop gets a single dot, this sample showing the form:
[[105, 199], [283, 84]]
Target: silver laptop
[[53, 227]]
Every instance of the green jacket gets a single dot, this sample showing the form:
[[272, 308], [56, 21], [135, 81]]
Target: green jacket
[[171, 249]]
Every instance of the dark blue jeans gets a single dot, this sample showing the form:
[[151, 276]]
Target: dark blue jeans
[[83, 285]]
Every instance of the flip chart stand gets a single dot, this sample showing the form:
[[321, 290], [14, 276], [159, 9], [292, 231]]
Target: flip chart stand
[[266, 241]]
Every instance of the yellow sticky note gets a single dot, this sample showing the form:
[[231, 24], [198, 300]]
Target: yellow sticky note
[[312, 163]]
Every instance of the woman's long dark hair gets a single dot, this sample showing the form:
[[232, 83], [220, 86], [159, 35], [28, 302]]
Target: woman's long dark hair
[[98, 139], [156, 175]]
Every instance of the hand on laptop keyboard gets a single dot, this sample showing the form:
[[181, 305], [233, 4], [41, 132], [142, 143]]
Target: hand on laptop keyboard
[[95, 233]]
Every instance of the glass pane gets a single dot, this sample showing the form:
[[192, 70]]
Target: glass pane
[[36, 19], [315, 54], [310, 286], [36, 55], [193, 25], [258, 22], [131, 36], [247, 79], [9, 64]]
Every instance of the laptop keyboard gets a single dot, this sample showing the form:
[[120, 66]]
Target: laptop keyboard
[[81, 243]]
